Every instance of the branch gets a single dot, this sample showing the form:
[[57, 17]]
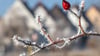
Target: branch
[[81, 28], [25, 42], [93, 34], [80, 14], [76, 36], [69, 40], [55, 42], [43, 32], [73, 13]]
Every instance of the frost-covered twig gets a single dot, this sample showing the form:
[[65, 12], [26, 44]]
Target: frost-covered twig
[[73, 13], [66, 40], [26, 43], [75, 36], [54, 43], [15, 40], [81, 8], [43, 32]]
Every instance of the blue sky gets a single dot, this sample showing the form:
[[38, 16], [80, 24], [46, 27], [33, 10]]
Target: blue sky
[[6, 4]]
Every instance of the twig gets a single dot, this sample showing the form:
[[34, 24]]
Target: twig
[[93, 34], [65, 40], [70, 38], [81, 28], [80, 14], [73, 13], [44, 32]]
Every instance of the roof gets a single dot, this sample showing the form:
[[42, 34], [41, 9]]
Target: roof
[[26, 5], [42, 5]]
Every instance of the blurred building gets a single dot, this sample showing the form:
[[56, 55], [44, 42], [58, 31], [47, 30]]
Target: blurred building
[[22, 18]]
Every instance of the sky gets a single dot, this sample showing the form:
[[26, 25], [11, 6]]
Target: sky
[[6, 4]]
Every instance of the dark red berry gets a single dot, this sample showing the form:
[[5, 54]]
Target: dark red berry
[[66, 5]]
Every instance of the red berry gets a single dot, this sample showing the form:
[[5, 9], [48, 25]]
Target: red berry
[[66, 5]]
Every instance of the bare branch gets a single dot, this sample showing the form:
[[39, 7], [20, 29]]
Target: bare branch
[[65, 40], [81, 28], [93, 34], [44, 32], [73, 13]]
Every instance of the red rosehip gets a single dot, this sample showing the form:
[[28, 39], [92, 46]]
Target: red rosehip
[[66, 5]]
